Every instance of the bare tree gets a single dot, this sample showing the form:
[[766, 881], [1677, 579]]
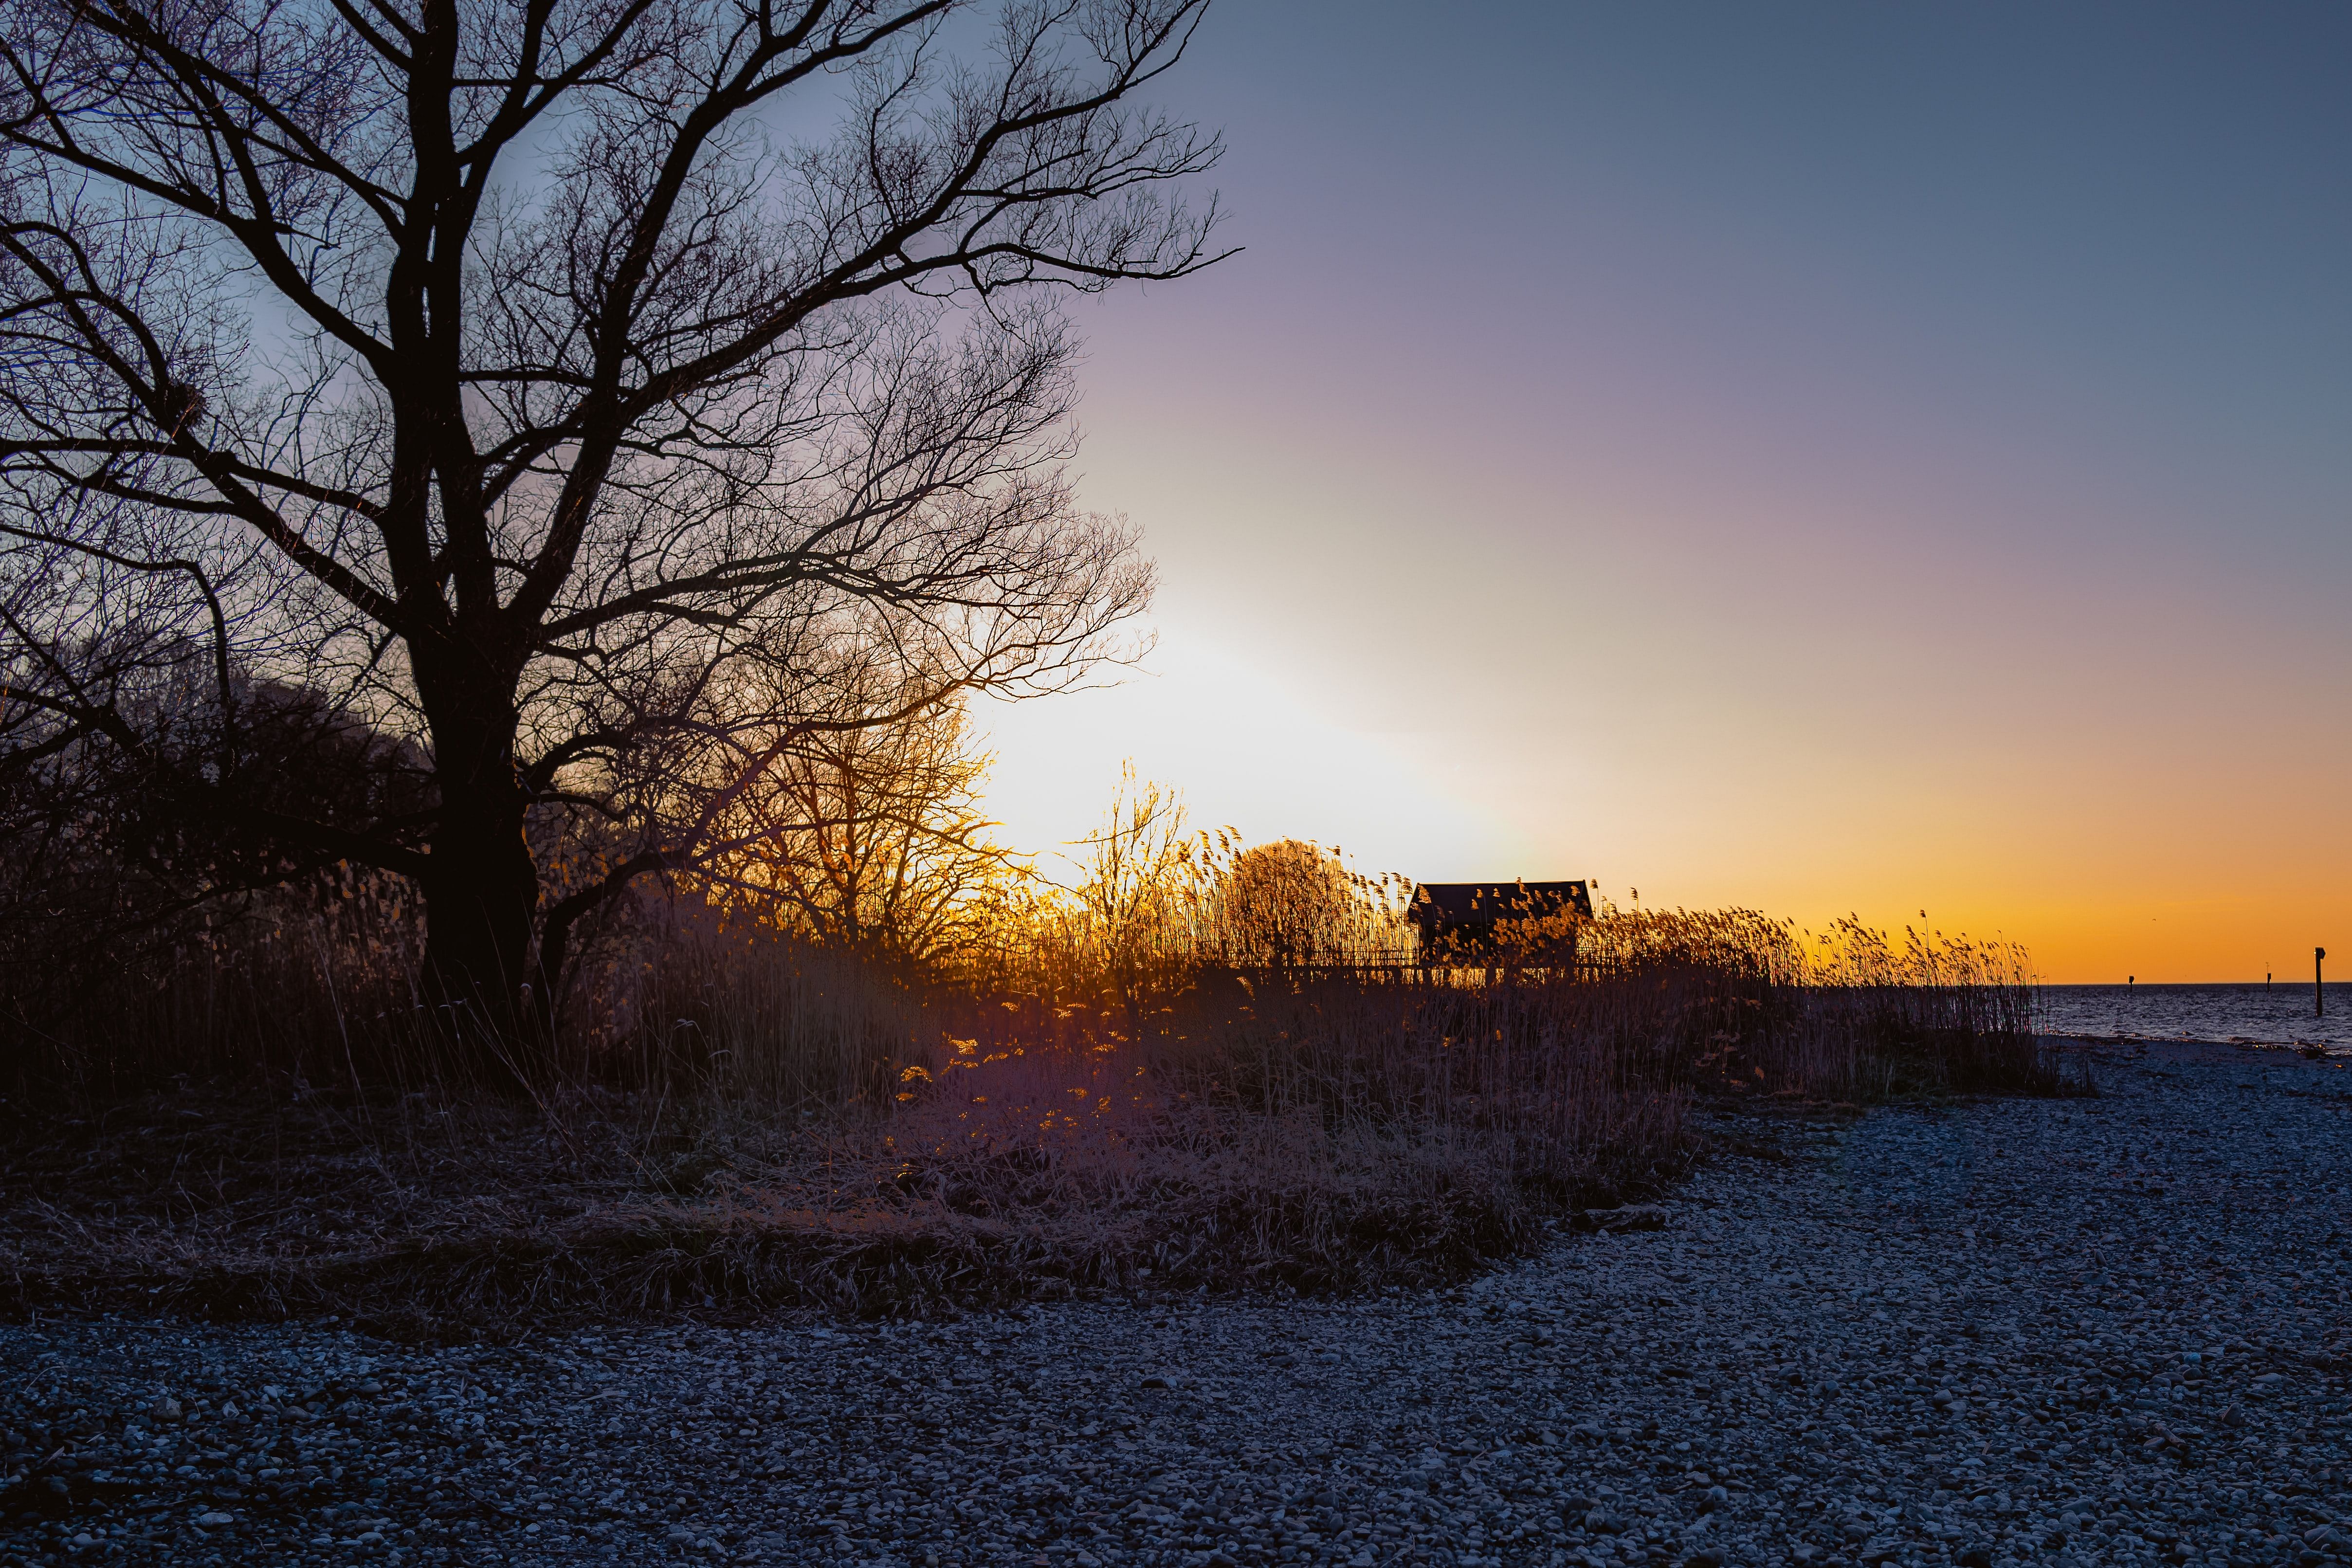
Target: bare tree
[[556, 383], [868, 836], [1145, 873]]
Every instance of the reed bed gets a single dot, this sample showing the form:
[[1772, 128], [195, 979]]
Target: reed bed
[[1207, 1068]]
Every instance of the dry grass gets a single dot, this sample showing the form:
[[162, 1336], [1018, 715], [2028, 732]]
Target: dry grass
[[416, 1218], [737, 1120]]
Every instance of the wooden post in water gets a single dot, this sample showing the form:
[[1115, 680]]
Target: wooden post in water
[[2318, 994]]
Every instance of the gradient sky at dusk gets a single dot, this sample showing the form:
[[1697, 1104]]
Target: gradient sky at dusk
[[1813, 457]]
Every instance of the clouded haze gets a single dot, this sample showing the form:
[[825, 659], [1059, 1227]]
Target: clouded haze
[[1813, 456]]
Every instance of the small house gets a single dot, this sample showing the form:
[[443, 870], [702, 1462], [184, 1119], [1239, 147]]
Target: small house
[[1468, 921]]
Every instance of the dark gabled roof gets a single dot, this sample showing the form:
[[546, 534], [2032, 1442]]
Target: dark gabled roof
[[1483, 903]]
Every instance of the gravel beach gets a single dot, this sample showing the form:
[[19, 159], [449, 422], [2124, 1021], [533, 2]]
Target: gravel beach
[[2089, 1331]]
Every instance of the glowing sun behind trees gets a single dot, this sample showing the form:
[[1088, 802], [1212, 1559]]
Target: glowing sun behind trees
[[613, 452]]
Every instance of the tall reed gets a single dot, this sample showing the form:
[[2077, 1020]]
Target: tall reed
[[1234, 1072]]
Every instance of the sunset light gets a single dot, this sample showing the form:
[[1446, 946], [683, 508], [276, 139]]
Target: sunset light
[[1175, 783], [1952, 516]]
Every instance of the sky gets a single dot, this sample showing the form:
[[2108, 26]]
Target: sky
[[1818, 458]]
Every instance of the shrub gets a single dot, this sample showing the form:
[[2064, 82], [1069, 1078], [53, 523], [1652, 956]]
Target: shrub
[[1205, 1066]]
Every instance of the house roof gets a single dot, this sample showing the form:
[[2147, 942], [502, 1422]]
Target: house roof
[[1483, 903]]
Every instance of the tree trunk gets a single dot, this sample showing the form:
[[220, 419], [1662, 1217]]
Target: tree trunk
[[481, 895]]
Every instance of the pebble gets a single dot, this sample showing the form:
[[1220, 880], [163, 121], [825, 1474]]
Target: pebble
[[1967, 1335]]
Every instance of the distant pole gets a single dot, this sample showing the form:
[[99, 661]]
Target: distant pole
[[2319, 995]]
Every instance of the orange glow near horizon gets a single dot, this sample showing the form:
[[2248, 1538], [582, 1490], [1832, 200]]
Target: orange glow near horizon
[[1820, 461], [2103, 867], [2028, 800]]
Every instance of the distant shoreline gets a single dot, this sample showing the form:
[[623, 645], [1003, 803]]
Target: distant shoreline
[[2281, 983]]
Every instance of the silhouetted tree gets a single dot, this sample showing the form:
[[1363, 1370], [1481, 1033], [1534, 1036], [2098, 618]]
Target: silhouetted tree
[[869, 837], [558, 384], [1288, 903], [1141, 891], [94, 862]]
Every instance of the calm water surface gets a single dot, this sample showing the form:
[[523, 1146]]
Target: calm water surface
[[2281, 1015]]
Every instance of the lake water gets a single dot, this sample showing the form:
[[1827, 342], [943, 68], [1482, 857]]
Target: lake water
[[2279, 1015]]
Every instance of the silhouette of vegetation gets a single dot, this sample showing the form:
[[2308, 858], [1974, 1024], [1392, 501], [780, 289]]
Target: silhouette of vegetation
[[506, 376], [1083, 1090], [504, 508], [1287, 905]]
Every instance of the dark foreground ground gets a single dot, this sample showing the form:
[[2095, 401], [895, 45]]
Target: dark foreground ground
[[2089, 1331]]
